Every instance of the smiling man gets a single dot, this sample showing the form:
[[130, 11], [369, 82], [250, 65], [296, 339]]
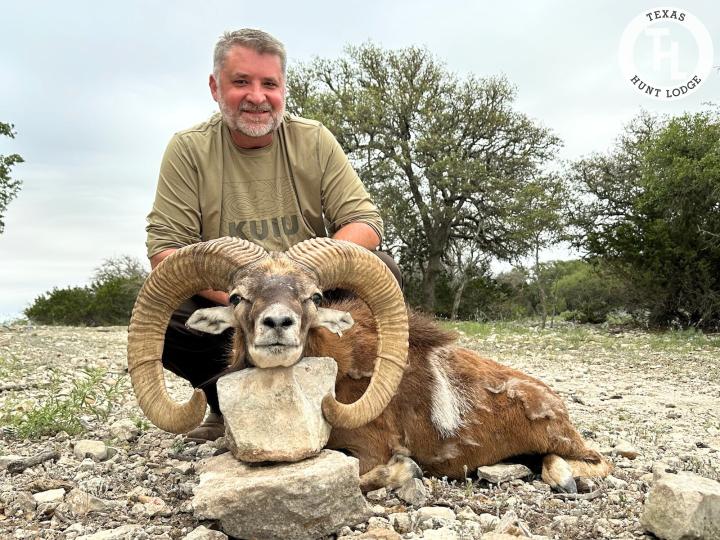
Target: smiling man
[[255, 172]]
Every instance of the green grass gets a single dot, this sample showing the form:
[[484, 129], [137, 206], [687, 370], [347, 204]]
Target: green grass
[[93, 394]]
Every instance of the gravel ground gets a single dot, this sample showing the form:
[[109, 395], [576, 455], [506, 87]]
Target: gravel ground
[[656, 394]]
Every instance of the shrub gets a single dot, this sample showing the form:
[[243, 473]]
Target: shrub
[[107, 301]]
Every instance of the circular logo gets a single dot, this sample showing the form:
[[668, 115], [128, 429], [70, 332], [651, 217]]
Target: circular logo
[[666, 53]]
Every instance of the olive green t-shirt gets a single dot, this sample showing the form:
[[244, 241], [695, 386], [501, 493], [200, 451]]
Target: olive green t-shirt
[[299, 187]]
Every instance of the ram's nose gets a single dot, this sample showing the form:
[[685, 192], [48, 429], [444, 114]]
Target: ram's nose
[[278, 317]]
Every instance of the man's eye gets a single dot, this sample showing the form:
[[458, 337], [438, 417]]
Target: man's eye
[[235, 299], [240, 81]]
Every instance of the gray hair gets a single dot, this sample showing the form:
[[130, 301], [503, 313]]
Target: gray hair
[[257, 40]]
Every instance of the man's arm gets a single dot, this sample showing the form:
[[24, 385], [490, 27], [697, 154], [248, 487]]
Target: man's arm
[[359, 233], [216, 296]]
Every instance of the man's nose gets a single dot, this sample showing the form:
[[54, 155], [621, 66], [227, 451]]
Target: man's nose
[[255, 95]]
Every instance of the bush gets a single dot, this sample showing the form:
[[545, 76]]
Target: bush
[[588, 294], [108, 301]]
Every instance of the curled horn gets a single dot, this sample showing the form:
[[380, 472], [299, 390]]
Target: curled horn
[[340, 264], [206, 265]]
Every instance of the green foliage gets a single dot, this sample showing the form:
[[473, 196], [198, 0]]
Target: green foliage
[[70, 306], [8, 187], [93, 394], [445, 157], [651, 209], [107, 301]]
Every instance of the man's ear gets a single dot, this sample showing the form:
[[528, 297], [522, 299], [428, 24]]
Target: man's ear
[[332, 319], [213, 320], [213, 86]]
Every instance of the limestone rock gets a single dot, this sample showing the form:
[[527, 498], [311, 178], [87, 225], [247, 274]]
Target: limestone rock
[[82, 503], [7, 459], [413, 492], [274, 414], [401, 522], [49, 496], [203, 533], [308, 499], [683, 505], [443, 533], [120, 533], [503, 472], [96, 450], [124, 429], [435, 512], [626, 450]]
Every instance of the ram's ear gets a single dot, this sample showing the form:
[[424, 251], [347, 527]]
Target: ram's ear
[[213, 320], [333, 320]]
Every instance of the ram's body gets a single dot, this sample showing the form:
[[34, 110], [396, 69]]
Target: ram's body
[[453, 410], [445, 407]]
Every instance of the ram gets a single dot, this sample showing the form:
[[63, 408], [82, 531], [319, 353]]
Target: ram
[[404, 390]]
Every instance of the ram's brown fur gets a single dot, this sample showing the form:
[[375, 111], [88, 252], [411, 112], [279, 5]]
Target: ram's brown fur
[[504, 412]]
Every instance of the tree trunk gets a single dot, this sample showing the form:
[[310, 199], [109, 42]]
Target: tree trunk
[[458, 297], [543, 299], [434, 265]]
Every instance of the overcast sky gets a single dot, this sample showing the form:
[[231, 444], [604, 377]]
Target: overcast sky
[[95, 91]]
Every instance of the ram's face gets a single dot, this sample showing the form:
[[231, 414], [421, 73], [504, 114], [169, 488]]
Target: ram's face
[[273, 305]]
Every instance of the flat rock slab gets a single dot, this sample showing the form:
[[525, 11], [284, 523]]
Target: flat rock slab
[[291, 501], [275, 414], [503, 472], [683, 505]]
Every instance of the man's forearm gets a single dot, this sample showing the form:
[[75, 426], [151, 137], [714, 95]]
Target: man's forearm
[[219, 297], [359, 233]]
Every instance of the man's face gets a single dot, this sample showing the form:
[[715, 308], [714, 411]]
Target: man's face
[[250, 92]]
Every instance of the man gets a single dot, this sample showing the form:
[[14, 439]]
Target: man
[[255, 172]]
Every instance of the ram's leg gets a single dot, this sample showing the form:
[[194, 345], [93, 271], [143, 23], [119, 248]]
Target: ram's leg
[[558, 474], [391, 475]]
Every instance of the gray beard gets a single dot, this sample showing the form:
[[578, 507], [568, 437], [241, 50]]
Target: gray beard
[[234, 120]]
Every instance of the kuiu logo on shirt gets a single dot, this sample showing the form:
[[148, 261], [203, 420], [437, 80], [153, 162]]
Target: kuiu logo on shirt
[[259, 229]]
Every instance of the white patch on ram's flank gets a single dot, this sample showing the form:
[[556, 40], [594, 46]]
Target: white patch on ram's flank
[[448, 403]]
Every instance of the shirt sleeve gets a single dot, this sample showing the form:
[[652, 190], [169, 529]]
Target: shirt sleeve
[[344, 198], [175, 219]]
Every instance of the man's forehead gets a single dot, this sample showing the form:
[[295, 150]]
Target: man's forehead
[[243, 54]]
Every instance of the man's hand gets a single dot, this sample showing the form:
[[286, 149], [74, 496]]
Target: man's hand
[[359, 233], [219, 297]]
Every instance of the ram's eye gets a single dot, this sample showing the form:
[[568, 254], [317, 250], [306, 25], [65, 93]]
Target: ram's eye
[[234, 299], [316, 298]]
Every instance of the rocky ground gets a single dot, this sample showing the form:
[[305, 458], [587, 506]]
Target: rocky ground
[[654, 395]]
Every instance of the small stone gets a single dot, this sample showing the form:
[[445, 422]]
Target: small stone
[[378, 523], [96, 450], [182, 467], [377, 495], [124, 430], [86, 464], [673, 415], [466, 514], [82, 503], [401, 522], [120, 533], [615, 483], [435, 512], [503, 472], [49, 496], [378, 534], [626, 450], [203, 533], [443, 533], [7, 459], [413, 492]]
